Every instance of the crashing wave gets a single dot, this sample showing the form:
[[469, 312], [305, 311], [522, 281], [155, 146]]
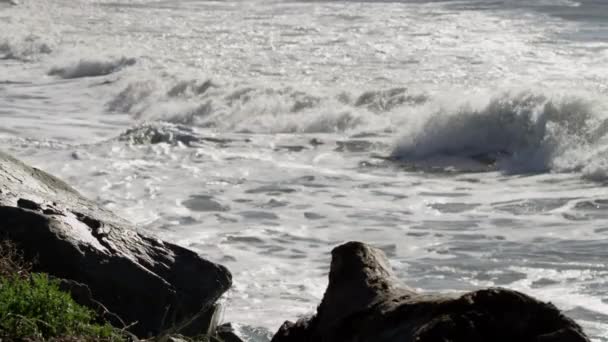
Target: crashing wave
[[386, 100], [262, 109], [91, 68], [523, 132], [26, 49]]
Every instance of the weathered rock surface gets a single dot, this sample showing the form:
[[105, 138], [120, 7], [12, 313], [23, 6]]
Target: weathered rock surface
[[137, 277], [364, 302]]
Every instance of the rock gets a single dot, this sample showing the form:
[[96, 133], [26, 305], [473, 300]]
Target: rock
[[365, 302], [83, 296], [226, 333], [135, 276], [159, 132]]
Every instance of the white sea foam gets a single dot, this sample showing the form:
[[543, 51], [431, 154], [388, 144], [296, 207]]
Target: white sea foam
[[258, 109], [288, 113], [515, 132], [26, 48]]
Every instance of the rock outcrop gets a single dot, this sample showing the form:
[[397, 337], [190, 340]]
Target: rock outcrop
[[136, 277], [365, 303]]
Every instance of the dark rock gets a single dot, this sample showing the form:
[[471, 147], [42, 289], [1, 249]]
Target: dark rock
[[83, 296], [364, 302], [27, 204], [137, 277], [226, 333], [160, 133], [315, 142], [173, 134]]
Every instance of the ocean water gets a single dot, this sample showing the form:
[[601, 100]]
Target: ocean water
[[467, 139]]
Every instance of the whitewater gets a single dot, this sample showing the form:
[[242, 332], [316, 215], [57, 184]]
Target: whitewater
[[467, 139]]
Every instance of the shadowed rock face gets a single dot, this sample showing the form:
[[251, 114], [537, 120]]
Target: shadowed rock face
[[364, 302], [137, 277]]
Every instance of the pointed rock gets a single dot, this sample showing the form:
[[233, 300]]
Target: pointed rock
[[364, 302]]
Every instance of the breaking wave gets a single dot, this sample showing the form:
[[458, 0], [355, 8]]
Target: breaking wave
[[91, 68], [514, 133], [24, 48], [259, 109]]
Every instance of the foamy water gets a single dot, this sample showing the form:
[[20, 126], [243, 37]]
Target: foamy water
[[466, 139]]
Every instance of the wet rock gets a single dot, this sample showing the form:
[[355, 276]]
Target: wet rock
[[226, 333], [136, 277], [27, 204], [365, 302], [160, 133], [315, 142]]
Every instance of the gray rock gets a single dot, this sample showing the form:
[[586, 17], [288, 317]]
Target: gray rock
[[135, 276], [365, 302]]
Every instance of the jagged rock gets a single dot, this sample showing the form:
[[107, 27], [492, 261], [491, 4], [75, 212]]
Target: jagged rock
[[364, 302], [137, 277]]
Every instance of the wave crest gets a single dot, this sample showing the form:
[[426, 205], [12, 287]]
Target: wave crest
[[91, 68], [523, 132], [259, 109], [25, 49]]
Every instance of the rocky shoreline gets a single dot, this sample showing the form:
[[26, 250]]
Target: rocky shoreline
[[153, 287]]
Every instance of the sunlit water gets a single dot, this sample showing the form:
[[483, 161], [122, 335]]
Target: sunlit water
[[467, 139]]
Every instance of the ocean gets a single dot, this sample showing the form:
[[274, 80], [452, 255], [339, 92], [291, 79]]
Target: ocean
[[467, 139]]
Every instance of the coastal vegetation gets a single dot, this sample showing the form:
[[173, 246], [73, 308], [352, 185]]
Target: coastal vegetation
[[33, 308]]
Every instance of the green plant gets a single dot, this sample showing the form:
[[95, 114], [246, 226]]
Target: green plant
[[34, 308]]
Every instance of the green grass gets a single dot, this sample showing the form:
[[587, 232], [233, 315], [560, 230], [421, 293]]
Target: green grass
[[33, 307]]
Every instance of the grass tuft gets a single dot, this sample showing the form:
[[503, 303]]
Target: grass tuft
[[33, 308]]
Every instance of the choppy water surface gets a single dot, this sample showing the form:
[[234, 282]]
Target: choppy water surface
[[467, 139]]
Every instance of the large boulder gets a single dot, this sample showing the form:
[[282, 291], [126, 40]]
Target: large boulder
[[152, 284], [365, 303]]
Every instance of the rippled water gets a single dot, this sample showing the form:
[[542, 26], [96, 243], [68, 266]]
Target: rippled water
[[467, 139]]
